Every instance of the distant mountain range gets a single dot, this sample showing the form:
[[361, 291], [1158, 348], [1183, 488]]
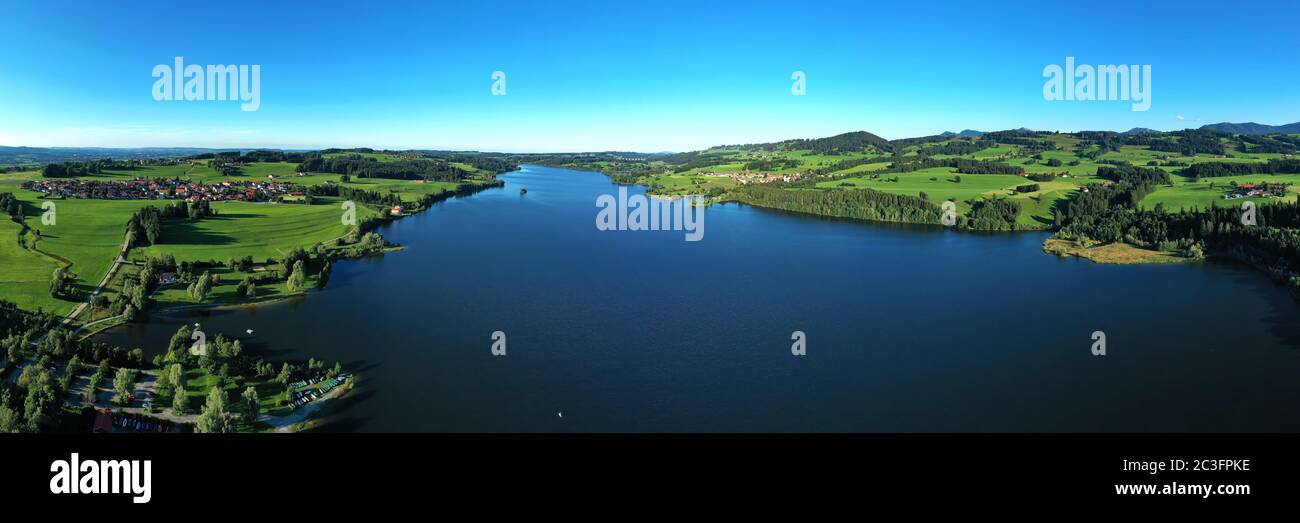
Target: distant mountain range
[[1253, 128], [970, 133], [41, 155], [859, 140]]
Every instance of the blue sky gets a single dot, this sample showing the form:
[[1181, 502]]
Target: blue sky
[[644, 76]]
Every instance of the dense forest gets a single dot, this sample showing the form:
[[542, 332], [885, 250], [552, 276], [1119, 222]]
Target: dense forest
[[957, 147], [437, 169], [1135, 175], [86, 168], [841, 143], [861, 204], [1216, 169], [365, 167]]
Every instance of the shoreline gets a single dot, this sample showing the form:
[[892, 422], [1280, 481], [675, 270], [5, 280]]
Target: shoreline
[[426, 203], [1117, 253]]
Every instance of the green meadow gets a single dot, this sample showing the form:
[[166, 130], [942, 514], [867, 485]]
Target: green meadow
[[939, 183], [260, 230], [684, 184], [1188, 194], [87, 234], [224, 292], [25, 275]]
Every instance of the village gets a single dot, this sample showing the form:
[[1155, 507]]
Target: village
[[162, 189], [1251, 190], [746, 177]]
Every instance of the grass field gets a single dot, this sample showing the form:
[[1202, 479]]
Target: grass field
[[684, 184], [225, 292], [939, 183], [1112, 253], [260, 230], [1189, 194], [87, 234], [25, 275]]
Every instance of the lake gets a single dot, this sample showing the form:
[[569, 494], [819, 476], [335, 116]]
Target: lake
[[908, 328]]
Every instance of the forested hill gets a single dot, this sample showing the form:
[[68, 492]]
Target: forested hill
[[1253, 128], [857, 141]]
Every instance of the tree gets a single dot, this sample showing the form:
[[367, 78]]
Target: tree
[[251, 407], [40, 404], [324, 276], [13, 348], [286, 373], [122, 384], [297, 277], [233, 349], [32, 376], [179, 345], [10, 421], [200, 288], [177, 375], [59, 282], [179, 402], [164, 387], [215, 419]]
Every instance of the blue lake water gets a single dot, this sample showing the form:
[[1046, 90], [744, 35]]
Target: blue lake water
[[908, 328]]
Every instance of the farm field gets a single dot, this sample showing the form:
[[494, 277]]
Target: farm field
[[1189, 194], [260, 230], [684, 184], [25, 277], [87, 233], [939, 183]]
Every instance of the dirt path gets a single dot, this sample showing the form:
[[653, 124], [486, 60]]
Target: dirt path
[[108, 276]]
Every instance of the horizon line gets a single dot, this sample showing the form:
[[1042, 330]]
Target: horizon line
[[508, 150]]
